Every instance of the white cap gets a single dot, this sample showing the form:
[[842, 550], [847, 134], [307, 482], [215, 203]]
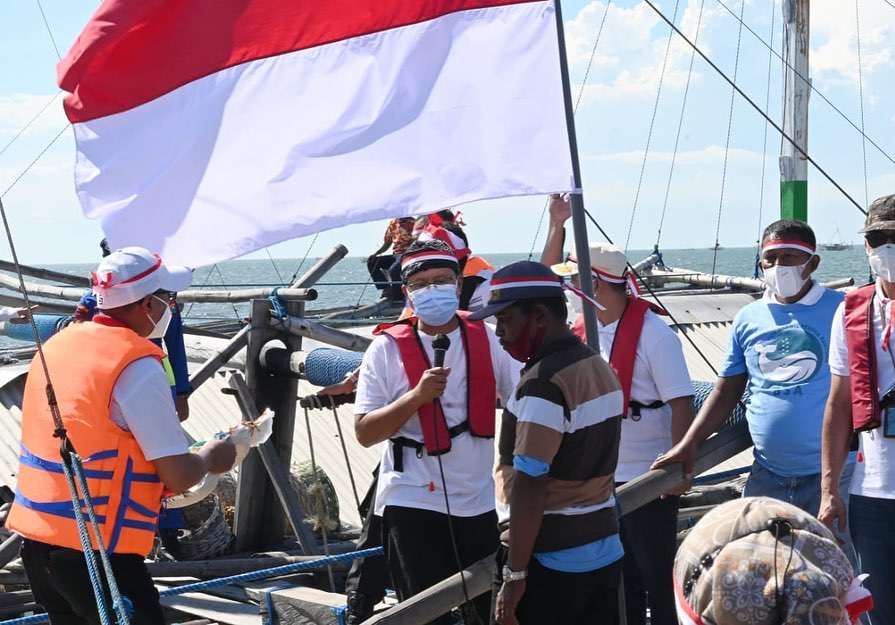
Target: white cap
[[131, 273], [607, 262]]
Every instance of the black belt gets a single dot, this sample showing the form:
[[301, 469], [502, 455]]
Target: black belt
[[636, 407], [400, 442]]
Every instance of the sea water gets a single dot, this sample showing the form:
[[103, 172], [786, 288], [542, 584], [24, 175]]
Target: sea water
[[348, 283]]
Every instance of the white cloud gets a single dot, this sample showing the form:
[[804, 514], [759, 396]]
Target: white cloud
[[18, 109], [834, 54]]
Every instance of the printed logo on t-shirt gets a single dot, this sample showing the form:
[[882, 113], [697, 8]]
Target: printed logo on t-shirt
[[792, 357]]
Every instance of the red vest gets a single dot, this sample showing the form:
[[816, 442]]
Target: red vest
[[624, 346], [862, 358], [481, 396]]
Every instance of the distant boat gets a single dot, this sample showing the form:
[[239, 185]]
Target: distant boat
[[837, 243]]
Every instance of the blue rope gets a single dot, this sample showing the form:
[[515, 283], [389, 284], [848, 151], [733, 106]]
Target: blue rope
[[268, 600], [121, 605], [279, 309], [253, 576], [341, 612]]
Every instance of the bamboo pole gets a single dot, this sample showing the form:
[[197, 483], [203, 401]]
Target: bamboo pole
[[46, 274], [208, 368], [321, 267], [324, 334]]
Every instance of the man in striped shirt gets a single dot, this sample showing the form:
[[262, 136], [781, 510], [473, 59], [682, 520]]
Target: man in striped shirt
[[560, 555]]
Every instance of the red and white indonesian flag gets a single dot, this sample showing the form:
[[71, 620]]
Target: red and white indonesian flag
[[207, 129]]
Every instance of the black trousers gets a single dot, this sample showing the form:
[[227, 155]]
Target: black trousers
[[419, 552], [553, 597], [649, 535], [369, 576], [60, 583]]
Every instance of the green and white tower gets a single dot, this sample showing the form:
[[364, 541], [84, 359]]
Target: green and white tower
[[796, 90]]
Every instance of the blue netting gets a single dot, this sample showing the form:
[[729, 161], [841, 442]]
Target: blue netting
[[325, 366], [47, 326]]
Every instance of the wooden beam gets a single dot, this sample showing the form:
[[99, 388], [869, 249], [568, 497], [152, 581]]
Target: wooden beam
[[242, 295], [46, 274], [259, 520], [279, 476], [715, 450], [440, 598], [320, 268], [208, 368], [9, 549], [298, 326]]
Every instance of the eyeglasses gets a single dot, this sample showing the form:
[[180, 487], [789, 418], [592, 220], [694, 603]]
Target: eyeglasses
[[413, 287], [875, 238], [165, 296]]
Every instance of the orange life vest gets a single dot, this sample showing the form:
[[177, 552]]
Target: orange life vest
[[476, 265], [624, 346], [481, 396], [124, 486]]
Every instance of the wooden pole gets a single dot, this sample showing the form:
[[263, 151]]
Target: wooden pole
[[46, 274], [259, 519], [323, 265], [279, 476], [319, 332], [214, 363]]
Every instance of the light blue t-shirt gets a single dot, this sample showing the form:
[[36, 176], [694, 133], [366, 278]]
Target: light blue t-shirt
[[784, 349], [580, 559]]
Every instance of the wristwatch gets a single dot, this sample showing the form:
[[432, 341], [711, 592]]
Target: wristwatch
[[509, 575]]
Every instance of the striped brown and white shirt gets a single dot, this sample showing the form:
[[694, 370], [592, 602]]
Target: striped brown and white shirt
[[566, 414]]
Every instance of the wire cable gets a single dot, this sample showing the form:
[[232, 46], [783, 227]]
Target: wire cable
[[49, 32], [752, 103], [861, 100], [736, 67], [652, 123], [680, 125], [764, 149], [813, 89], [590, 62], [28, 125]]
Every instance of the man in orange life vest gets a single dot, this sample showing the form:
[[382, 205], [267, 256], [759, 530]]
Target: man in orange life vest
[[434, 418], [862, 400], [120, 418], [649, 361]]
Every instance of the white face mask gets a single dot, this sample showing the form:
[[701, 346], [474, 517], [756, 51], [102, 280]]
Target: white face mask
[[785, 281], [161, 326], [882, 261]]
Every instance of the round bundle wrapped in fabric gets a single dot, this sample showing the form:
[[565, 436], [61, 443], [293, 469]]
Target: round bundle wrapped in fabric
[[760, 561], [47, 326], [325, 366]]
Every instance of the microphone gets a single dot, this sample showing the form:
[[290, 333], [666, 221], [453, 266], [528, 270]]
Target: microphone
[[440, 345]]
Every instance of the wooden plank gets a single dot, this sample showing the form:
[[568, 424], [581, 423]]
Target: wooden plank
[[279, 476], [644, 489], [216, 609], [301, 605], [440, 598], [259, 519]]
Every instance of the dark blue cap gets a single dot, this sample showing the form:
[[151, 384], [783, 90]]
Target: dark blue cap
[[525, 279]]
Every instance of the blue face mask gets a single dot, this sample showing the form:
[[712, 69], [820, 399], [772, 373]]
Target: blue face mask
[[436, 305]]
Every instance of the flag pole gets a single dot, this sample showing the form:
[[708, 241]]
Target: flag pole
[[579, 226]]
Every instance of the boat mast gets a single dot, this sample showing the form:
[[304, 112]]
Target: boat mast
[[796, 90]]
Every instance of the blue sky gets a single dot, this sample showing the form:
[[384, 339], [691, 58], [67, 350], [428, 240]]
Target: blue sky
[[613, 123]]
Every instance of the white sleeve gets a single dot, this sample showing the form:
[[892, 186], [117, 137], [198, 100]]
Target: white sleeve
[[838, 347], [667, 364], [480, 296], [142, 404], [375, 384], [8, 312], [506, 368]]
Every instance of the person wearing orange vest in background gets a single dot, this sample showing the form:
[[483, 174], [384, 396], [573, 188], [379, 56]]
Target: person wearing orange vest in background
[[649, 361], [396, 402], [862, 400], [119, 416]]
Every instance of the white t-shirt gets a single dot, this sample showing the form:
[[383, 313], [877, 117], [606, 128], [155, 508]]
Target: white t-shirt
[[875, 471], [142, 404], [468, 465], [660, 373], [8, 312]]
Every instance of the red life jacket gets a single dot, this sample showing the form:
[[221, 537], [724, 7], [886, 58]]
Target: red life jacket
[[624, 346], [859, 337], [481, 397]]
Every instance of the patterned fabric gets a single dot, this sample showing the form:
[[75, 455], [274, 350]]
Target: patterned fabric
[[566, 413], [400, 234], [725, 570]]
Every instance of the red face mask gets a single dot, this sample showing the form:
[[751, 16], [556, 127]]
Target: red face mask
[[525, 345]]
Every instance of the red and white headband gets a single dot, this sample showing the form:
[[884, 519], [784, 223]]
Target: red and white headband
[[426, 256], [783, 244]]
